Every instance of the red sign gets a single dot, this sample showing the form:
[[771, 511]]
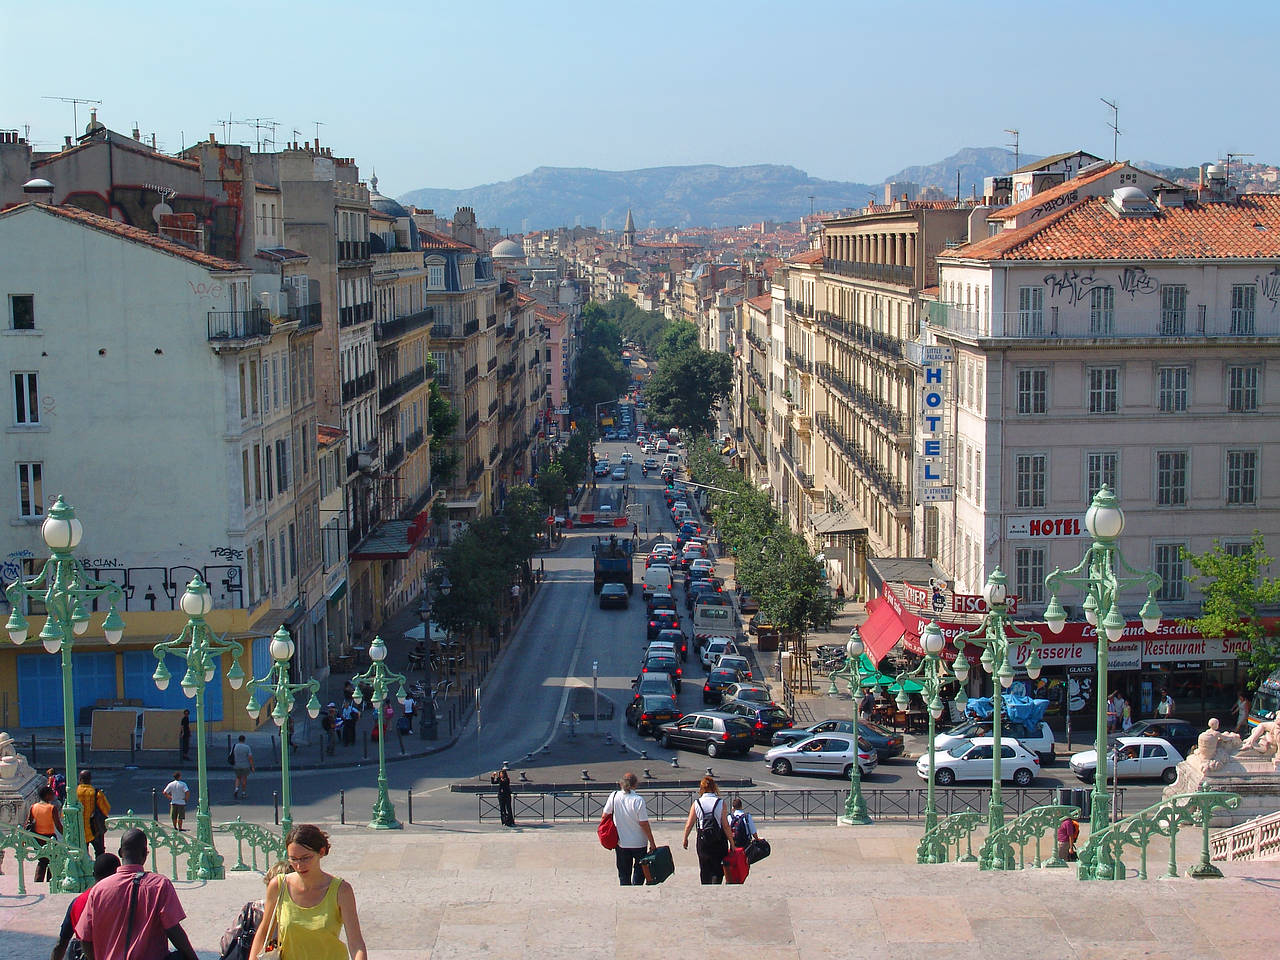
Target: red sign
[[976, 603]]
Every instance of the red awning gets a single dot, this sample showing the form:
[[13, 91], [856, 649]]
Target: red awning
[[882, 630]]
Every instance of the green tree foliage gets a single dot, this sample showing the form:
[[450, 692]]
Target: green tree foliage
[[687, 387], [575, 457], [679, 337], [644, 327], [601, 376], [1236, 594], [442, 420], [552, 486]]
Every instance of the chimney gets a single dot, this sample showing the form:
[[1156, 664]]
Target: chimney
[[66, 142], [137, 134]]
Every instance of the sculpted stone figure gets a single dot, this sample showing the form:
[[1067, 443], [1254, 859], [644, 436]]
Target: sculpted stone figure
[[1265, 738], [13, 766], [1215, 747]]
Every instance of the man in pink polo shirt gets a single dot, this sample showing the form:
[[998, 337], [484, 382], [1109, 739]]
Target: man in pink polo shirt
[[131, 914]]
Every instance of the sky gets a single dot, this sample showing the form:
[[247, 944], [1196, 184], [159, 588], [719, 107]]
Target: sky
[[456, 94]]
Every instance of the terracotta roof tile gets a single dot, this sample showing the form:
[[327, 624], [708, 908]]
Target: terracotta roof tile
[[1038, 199], [327, 435], [809, 256], [134, 234], [1248, 228], [438, 241], [764, 302]]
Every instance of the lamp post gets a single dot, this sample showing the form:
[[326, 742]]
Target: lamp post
[[276, 686], [67, 593], [380, 677], [202, 652], [995, 635], [855, 807], [1101, 576], [932, 676]]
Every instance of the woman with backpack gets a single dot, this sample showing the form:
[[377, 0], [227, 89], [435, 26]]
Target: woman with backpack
[[715, 838]]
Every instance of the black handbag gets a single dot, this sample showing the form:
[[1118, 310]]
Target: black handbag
[[97, 819], [758, 849]]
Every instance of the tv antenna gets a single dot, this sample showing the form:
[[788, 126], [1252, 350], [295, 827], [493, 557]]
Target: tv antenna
[[1234, 156], [1017, 150], [75, 109], [319, 124], [1115, 127]]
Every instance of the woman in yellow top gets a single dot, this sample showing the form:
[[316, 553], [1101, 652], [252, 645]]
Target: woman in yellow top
[[91, 797], [313, 906]]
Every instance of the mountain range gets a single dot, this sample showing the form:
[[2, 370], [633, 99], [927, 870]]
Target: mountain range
[[703, 195]]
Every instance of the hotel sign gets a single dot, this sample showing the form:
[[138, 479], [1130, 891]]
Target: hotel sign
[[1044, 526], [933, 482]]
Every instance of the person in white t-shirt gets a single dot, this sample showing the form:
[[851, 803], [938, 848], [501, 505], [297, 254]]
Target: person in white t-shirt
[[635, 838], [177, 791]]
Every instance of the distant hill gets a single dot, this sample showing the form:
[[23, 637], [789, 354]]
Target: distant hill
[[683, 196]]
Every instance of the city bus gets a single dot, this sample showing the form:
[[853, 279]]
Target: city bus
[[1265, 704]]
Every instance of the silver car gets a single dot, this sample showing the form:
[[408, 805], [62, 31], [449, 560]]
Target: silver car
[[827, 753]]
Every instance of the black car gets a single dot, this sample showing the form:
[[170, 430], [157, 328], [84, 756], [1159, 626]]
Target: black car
[[716, 733], [765, 719], [677, 639], [1180, 733], [662, 620], [870, 735], [660, 663], [659, 601], [717, 679], [613, 595], [647, 713], [747, 603], [704, 591]]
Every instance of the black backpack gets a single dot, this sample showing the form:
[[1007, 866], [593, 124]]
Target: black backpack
[[242, 934], [741, 834], [709, 823]]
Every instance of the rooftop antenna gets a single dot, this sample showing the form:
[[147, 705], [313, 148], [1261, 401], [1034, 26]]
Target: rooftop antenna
[[1234, 156], [319, 124], [1115, 127], [75, 105], [1017, 150]]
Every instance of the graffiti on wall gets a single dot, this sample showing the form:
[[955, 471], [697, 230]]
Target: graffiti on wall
[[11, 566], [161, 588], [133, 205], [1269, 283], [1136, 280], [1072, 283]]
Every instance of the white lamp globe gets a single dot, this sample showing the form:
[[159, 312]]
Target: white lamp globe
[[1104, 518], [61, 530], [855, 647], [996, 590], [281, 645], [196, 601], [377, 650], [932, 639]]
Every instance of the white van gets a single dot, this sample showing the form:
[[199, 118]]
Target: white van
[[712, 619], [657, 579], [673, 461], [663, 446]]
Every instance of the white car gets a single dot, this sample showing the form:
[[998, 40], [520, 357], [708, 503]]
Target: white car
[[973, 760], [826, 753], [626, 457], [1140, 758], [1039, 741], [715, 647]]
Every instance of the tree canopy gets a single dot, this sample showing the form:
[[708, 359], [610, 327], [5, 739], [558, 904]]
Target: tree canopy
[[687, 388]]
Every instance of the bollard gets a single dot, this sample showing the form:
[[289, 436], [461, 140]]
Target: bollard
[[155, 805], [273, 745], [33, 751], [400, 737], [82, 753], [365, 737], [408, 796], [275, 803], [342, 806]]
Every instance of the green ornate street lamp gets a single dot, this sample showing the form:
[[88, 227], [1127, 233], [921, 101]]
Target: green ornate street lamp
[[276, 686], [380, 677], [67, 593], [202, 652], [1101, 576], [995, 635], [932, 676], [855, 807]]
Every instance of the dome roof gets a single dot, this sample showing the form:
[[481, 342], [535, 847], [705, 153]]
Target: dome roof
[[508, 250], [377, 201]]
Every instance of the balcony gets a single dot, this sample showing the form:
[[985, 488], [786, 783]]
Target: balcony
[[443, 331], [472, 421], [353, 250], [881, 272], [491, 365], [508, 370], [799, 361], [879, 477], [494, 452], [307, 315], [863, 336], [757, 379], [1082, 324], [393, 458], [413, 441], [881, 412], [350, 316], [226, 326], [493, 406], [392, 329], [475, 471], [756, 341], [351, 389], [799, 308], [471, 327], [389, 394], [470, 376], [490, 320]]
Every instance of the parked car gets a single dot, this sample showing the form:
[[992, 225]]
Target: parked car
[[747, 603], [614, 595], [1039, 741], [886, 744], [1180, 733], [717, 679], [716, 733], [655, 684], [662, 620], [831, 754], [974, 760], [743, 689], [765, 718], [647, 713], [1131, 758], [662, 663], [714, 647]]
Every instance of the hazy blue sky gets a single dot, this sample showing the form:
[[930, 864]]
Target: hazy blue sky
[[456, 94]]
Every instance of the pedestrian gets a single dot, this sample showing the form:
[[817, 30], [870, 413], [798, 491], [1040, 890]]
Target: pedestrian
[[104, 865], [58, 784], [1068, 834], [741, 824], [177, 791], [715, 838], [410, 706], [350, 717], [635, 837], [1165, 707], [130, 914], [242, 761], [95, 808], [329, 724], [868, 703], [308, 907], [1126, 715], [44, 819], [184, 736], [1243, 706], [502, 780]]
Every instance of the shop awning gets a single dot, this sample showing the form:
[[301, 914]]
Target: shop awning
[[839, 521], [389, 540], [882, 630], [339, 591]]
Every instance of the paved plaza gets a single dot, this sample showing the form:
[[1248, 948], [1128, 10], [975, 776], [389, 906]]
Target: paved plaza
[[461, 891]]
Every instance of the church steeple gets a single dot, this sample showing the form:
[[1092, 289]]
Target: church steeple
[[629, 231]]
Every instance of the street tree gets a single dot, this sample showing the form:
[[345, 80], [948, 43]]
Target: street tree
[[1236, 595], [687, 388], [552, 486], [443, 420], [679, 337]]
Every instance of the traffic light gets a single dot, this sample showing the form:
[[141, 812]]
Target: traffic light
[[671, 483]]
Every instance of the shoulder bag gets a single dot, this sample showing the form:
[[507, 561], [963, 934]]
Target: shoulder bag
[[97, 819], [270, 946], [607, 831]]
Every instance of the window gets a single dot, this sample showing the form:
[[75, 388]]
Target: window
[[244, 478], [1242, 476], [1242, 389], [1028, 574], [257, 473], [1030, 311], [26, 400], [1104, 389], [435, 276], [1102, 311], [1244, 296], [1238, 548], [282, 465], [1171, 478], [30, 490], [269, 471], [1033, 391], [1029, 472], [1173, 389], [1169, 564], [1173, 310], [293, 551], [932, 527], [1101, 468], [22, 311]]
